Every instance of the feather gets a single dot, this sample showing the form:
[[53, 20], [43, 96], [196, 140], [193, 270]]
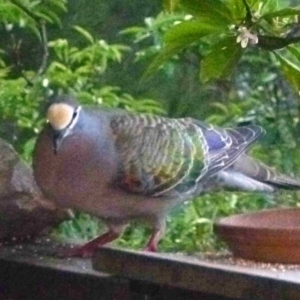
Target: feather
[[262, 173], [239, 181], [160, 156]]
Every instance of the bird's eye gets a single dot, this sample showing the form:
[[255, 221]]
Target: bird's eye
[[75, 116], [75, 113]]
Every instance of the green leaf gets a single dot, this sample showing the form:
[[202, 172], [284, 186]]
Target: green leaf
[[43, 16], [170, 5], [180, 37], [221, 107], [295, 51], [237, 9], [269, 6], [190, 31], [162, 57], [54, 18], [220, 62], [290, 71], [285, 12], [212, 11], [59, 5], [254, 4], [84, 33]]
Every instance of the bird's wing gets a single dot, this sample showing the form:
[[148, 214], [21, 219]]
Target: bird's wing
[[159, 155], [227, 145]]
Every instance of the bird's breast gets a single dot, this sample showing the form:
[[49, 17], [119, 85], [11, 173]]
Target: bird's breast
[[80, 170]]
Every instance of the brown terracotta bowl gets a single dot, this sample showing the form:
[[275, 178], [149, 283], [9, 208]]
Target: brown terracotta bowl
[[265, 236]]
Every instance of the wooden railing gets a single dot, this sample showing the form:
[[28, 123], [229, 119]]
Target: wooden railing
[[31, 271]]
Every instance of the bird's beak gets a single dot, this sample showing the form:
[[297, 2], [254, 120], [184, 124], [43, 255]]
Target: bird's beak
[[57, 140]]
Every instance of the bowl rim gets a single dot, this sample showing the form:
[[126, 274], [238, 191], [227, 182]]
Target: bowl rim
[[224, 222]]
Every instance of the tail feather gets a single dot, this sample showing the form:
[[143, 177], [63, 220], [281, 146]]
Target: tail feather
[[261, 173], [232, 180]]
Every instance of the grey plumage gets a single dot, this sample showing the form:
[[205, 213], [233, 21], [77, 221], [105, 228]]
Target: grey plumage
[[124, 166]]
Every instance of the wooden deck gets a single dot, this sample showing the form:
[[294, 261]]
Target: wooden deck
[[31, 271]]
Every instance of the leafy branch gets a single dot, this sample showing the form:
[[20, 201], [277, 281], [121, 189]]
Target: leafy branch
[[45, 53], [229, 28]]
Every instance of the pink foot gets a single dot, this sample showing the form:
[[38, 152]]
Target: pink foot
[[77, 251], [88, 249], [154, 239], [151, 248]]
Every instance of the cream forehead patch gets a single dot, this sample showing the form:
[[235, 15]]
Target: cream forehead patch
[[60, 115]]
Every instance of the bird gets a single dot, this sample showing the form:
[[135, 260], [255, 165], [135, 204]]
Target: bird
[[124, 166]]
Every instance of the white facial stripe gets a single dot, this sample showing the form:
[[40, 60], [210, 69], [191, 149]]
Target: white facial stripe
[[75, 119]]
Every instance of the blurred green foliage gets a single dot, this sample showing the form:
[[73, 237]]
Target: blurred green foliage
[[228, 62]]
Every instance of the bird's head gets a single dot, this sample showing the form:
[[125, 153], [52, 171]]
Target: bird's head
[[62, 114]]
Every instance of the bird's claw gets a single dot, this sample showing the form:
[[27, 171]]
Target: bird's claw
[[76, 251]]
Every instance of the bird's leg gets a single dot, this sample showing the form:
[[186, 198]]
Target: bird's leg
[[89, 248], [155, 237]]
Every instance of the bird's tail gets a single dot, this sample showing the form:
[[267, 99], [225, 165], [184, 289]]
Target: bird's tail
[[248, 174]]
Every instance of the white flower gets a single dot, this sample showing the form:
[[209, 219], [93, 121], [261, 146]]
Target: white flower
[[9, 26], [245, 36], [45, 82], [177, 22], [149, 21], [188, 17]]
